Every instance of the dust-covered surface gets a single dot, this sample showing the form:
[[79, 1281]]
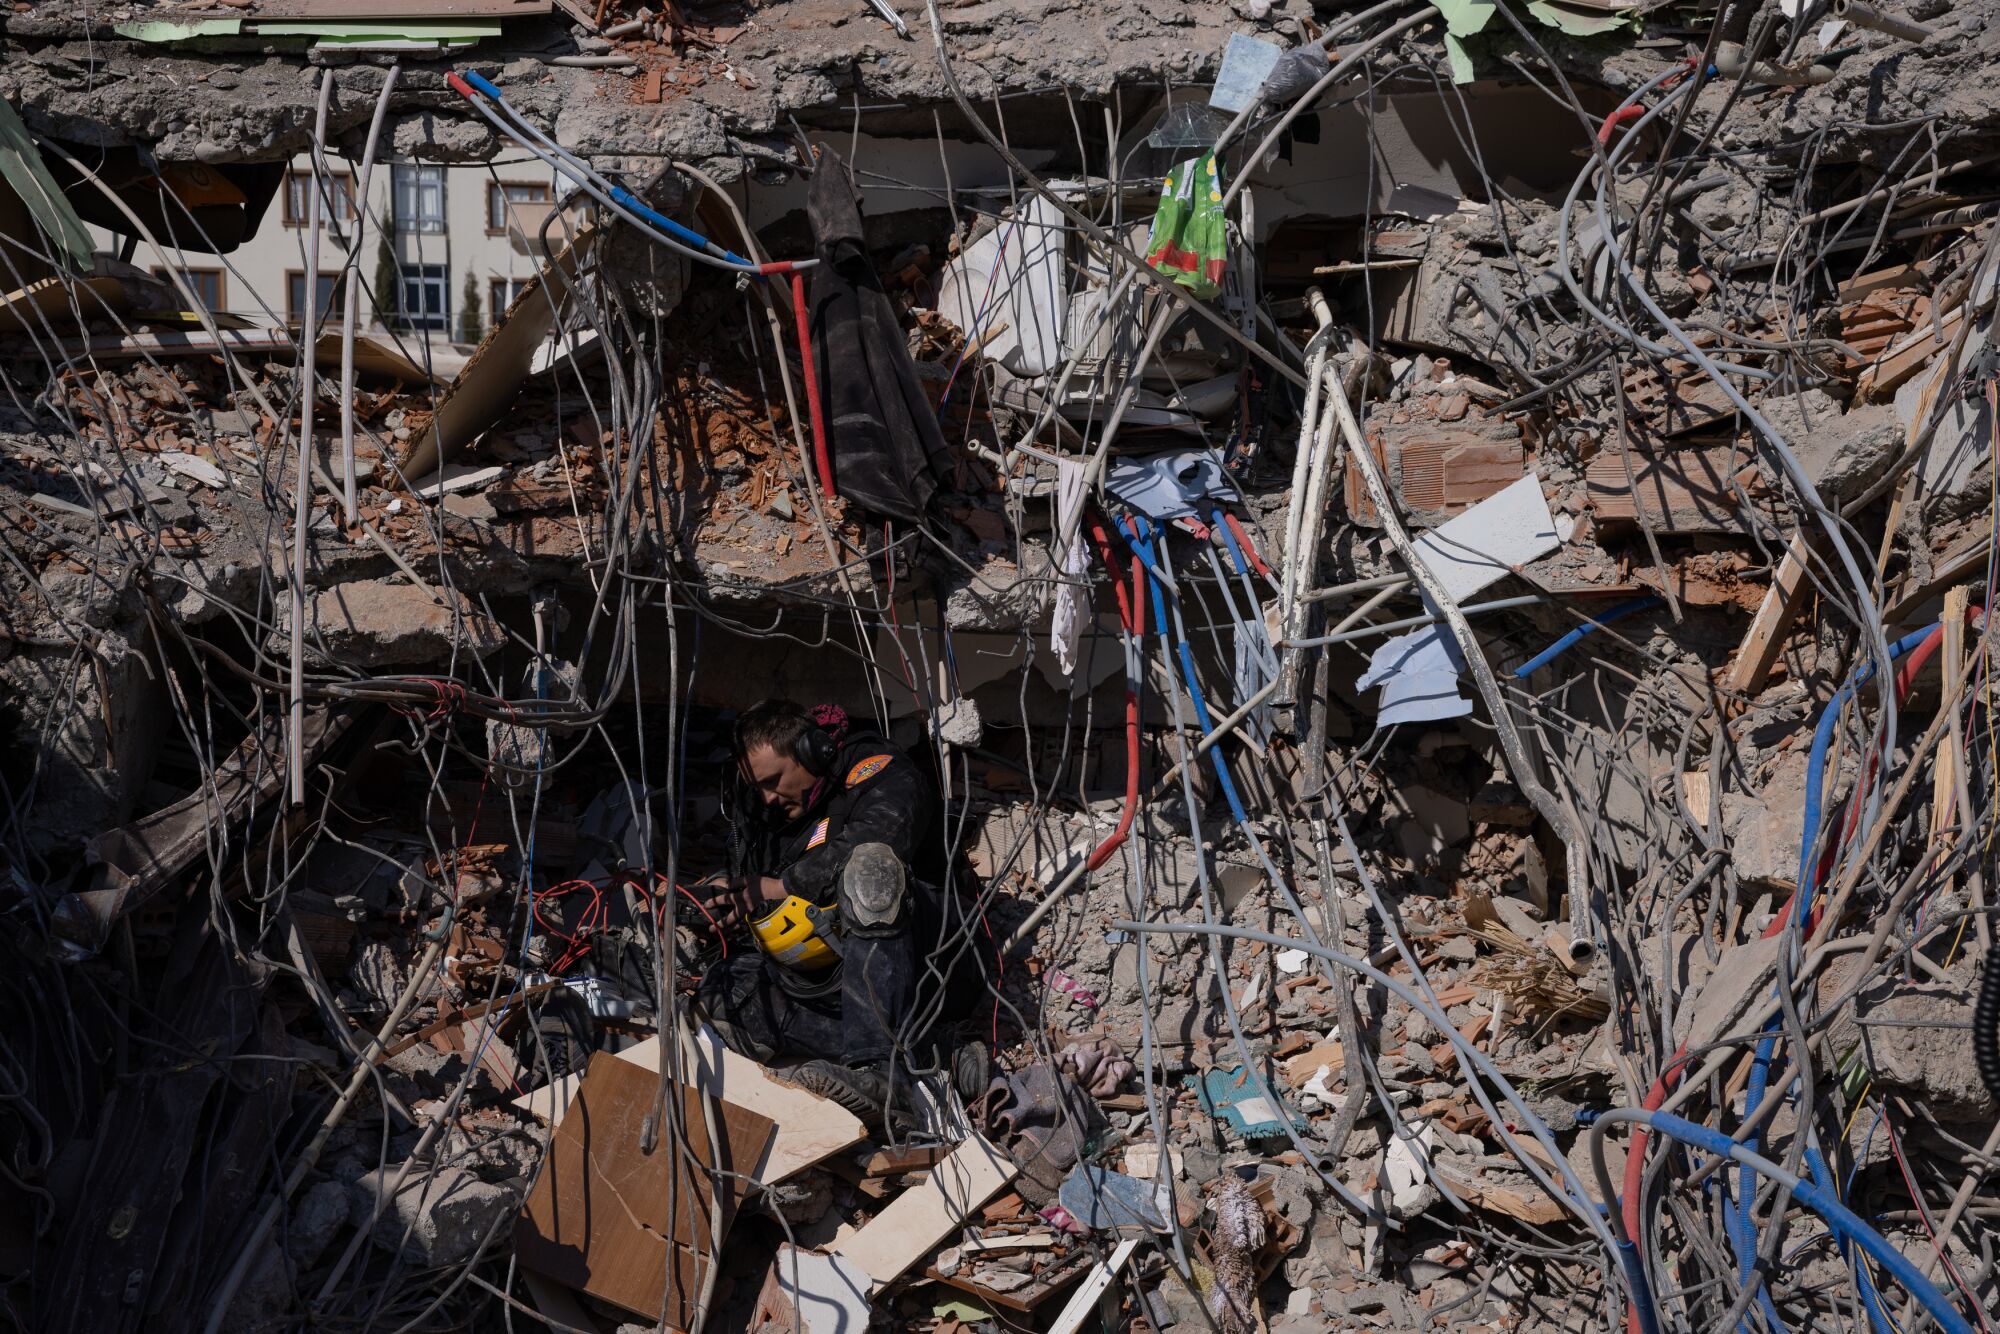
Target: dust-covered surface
[[1331, 930]]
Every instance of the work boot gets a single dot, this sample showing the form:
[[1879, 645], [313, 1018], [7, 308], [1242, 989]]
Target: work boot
[[864, 1091], [971, 1069]]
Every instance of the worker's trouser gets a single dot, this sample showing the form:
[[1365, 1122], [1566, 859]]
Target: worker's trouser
[[875, 1001]]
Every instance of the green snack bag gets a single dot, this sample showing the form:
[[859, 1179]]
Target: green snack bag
[[1190, 240]]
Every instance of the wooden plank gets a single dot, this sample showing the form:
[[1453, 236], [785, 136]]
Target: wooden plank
[[1696, 791], [1944, 779], [1084, 1300], [1751, 667], [1875, 280], [1051, 1279], [809, 1128], [626, 1226], [459, 1018], [911, 1228], [1907, 358]]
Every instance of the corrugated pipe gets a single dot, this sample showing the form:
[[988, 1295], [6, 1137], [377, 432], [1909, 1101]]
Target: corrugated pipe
[[1729, 59], [1867, 16]]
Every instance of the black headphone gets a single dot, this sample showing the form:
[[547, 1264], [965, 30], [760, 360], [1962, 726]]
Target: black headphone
[[815, 750]]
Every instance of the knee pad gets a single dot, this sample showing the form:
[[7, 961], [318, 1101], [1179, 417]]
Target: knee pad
[[872, 891]]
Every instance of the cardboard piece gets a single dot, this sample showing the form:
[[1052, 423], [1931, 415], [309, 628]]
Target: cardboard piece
[[809, 1128], [629, 1227]]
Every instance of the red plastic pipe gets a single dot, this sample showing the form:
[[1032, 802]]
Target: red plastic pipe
[[820, 459], [1132, 613], [1635, 1160]]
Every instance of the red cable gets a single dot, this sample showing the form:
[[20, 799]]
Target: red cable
[[1619, 117], [1635, 1161], [820, 458], [1132, 612]]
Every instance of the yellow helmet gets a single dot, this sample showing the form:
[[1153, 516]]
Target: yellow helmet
[[799, 933]]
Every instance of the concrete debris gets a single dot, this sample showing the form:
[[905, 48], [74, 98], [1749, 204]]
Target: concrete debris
[[434, 1220], [383, 625], [1446, 673]]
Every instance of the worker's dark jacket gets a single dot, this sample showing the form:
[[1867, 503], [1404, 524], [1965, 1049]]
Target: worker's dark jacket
[[888, 454], [862, 1008], [874, 794]]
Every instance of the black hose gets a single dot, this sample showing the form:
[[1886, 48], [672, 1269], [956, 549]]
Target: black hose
[[1986, 1026]]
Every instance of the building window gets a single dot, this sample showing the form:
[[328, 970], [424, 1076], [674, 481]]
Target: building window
[[505, 201], [331, 290], [425, 297], [500, 294], [206, 284], [419, 199], [336, 201]]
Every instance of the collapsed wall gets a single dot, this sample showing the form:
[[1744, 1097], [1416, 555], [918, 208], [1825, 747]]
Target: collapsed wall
[[1490, 578]]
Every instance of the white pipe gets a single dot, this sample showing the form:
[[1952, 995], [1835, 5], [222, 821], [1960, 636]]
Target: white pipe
[[1313, 523], [1289, 586], [1867, 16], [349, 502]]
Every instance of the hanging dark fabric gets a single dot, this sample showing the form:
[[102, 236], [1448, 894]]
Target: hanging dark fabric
[[888, 453]]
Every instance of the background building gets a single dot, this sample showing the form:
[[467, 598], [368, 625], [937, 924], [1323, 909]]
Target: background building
[[443, 249]]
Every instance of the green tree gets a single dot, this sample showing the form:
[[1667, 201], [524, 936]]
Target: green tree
[[470, 327]]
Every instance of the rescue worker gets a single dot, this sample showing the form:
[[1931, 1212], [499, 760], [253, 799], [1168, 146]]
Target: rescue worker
[[839, 867]]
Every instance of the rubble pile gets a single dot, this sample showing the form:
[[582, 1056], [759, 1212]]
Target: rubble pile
[[1436, 554]]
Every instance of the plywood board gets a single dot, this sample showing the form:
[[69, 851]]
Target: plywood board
[[809, 1128], [630, 1227], [911, 1227]]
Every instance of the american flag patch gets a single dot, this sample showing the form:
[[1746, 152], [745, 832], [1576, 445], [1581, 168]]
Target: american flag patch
[[819, 836]]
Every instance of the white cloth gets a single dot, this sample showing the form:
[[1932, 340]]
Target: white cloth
[[1072, 564]]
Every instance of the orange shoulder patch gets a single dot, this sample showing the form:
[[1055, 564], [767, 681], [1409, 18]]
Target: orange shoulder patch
[[867, 769]]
